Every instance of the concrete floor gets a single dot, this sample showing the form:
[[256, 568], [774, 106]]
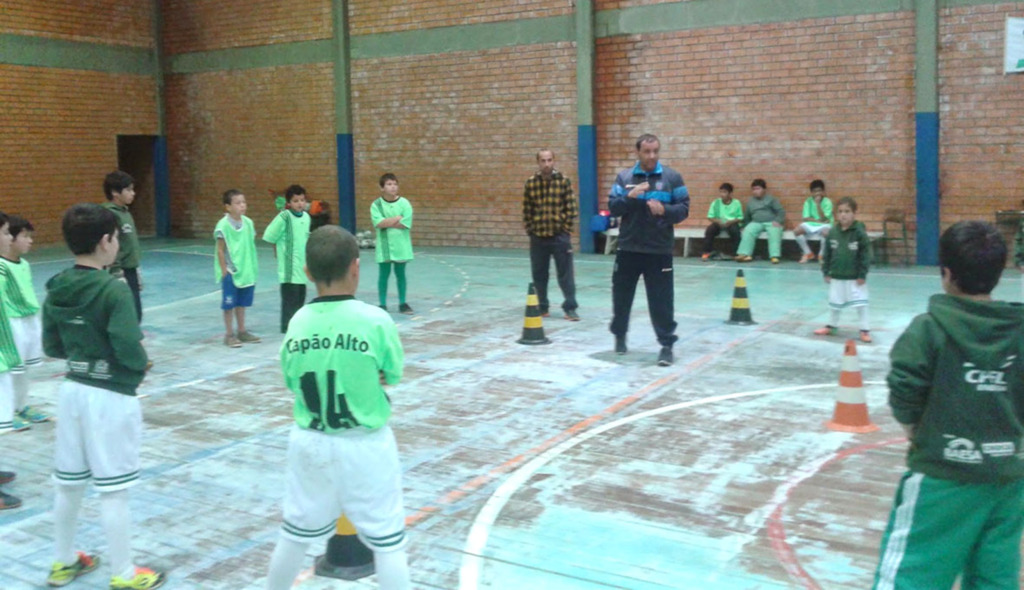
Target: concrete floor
[[543, 467]]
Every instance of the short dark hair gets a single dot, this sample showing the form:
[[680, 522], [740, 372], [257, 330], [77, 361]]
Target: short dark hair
[[726, 186], [975, 254], [4, 220], [229, 195], [386, 177], [759, 182], [329, 252], [646, 138], [293, 191], [85, 224], [19, 224], [819, 183], [116, 182], [847, 201]]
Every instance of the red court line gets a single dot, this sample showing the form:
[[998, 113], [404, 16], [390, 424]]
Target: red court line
[[777, 531]]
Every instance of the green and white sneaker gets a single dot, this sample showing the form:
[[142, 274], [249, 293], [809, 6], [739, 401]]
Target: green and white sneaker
[[144, 579], [62, 575], [34, 415]]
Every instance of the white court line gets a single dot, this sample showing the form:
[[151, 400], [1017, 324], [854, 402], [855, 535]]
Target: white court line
[[188, 384], [476, 541], [241, 370]]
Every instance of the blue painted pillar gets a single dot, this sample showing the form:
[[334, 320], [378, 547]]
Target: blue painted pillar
[[346, 182], [343, 119], [586, 133], [926, 143]]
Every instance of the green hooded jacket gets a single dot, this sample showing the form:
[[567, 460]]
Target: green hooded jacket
[[128, 253], [89, 319], [846, 253], [957, 375]]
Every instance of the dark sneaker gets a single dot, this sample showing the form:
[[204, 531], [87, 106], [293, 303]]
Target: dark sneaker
[[248, 337], [620, 345], [665, 356], [571, 315], [8, 502], [545, 313], [232, 342], [62, 575], [7, 477], [384, 307], [406, 309], [33, 415]]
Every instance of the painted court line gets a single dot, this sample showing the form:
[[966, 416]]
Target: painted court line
[[479, 533]]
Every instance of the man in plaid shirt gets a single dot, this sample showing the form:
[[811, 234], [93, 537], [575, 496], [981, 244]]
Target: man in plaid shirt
[[549, 214]]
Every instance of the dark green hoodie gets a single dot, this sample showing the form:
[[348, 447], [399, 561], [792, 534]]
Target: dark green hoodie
[[846, 253], [957, 375], [89, 319]]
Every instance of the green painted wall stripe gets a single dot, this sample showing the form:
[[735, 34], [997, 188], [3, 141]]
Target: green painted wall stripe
[[245, 58], [341, 48], [24, 50], [585, 62], [702, 14], [465, 37], [926, 59]]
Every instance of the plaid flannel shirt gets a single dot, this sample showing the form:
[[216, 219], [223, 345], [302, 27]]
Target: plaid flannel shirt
[[549, 206]]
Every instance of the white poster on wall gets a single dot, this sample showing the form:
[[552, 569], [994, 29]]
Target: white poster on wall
[[1013, 60]]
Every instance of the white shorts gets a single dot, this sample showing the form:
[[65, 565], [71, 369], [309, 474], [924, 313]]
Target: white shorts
[[844, 293], [98, 436], [28, 339], [813, 228], [352, 473]]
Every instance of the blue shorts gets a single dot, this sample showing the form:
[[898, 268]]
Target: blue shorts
[[232, 296]]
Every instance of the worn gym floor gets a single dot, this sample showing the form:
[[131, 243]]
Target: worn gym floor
[[560, 466]]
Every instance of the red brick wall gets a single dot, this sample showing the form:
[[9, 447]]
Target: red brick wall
[[254, 130], [980, 117], [115, 22], [378, 17], [787, 102], [203, 26], [59, 137], [461, 131]]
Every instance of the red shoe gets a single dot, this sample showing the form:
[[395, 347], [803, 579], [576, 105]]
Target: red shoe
[[865, 336], [826, 331]]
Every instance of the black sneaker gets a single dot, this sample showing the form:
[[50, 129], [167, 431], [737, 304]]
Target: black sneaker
[[571, 315], [7, 477], [404, 308], [384, 307], [665, 356], [8, 502], [620, 345]]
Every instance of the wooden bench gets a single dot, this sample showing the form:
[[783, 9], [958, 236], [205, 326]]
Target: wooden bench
[[687, 233]]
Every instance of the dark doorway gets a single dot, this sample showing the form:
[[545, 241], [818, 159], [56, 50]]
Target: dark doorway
[[135, 156]]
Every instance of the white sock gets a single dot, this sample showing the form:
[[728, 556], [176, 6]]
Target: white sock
[[6, 398], [862, 317], [20, 389], [67, 501], [802, 241], [834, 318], [285, 563], [117, 521], [392, 570]]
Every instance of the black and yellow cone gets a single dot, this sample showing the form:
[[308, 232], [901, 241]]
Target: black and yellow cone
[[533, 323], [740, 312], [346, 558]]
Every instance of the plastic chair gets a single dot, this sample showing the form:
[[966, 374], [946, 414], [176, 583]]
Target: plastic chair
[[897, 219]]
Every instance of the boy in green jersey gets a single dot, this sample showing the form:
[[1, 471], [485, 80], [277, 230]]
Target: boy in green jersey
[[726, 214], [392, 216], [9, 357], [845, 258], [342, 456], [22, 307], [288, 232], [119, 188], [236, 266], [817, 219], [957, 387], [89, 319]]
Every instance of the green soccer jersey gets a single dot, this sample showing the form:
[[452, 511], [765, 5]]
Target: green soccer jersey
[[9, 357], [332, 357], [811, 210], [394, 244], [239, 251], [289, 232], [719, 210], [19, 297]]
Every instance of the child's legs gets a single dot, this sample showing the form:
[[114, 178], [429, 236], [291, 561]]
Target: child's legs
[[774, 240], [833, 318], [131, 276], [749, 237], [67, 501], [862, 318], [293, 297], [285, 563], [240, 318], [383, 274], [19, 378], [392, 569], [117, 520], [228, 301], [995, 562], [27, 333], [931, 530], [6, 400], [824, 236], [710, 233], [400, 280]]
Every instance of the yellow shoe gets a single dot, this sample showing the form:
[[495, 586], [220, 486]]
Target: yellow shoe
[[62, 575], [743, 258], [144, 579], [806, 258], [775, 260]]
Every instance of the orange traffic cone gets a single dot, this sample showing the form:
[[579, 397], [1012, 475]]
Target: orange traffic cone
[[346, 558], [533, 323], [851, 414], [740, 312]]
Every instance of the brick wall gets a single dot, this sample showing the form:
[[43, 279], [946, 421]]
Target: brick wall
[[980, 115], [787, 102], [204, 26], [255, 130], [461, 131], [60, 137], [101, 21], [377, 17]]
